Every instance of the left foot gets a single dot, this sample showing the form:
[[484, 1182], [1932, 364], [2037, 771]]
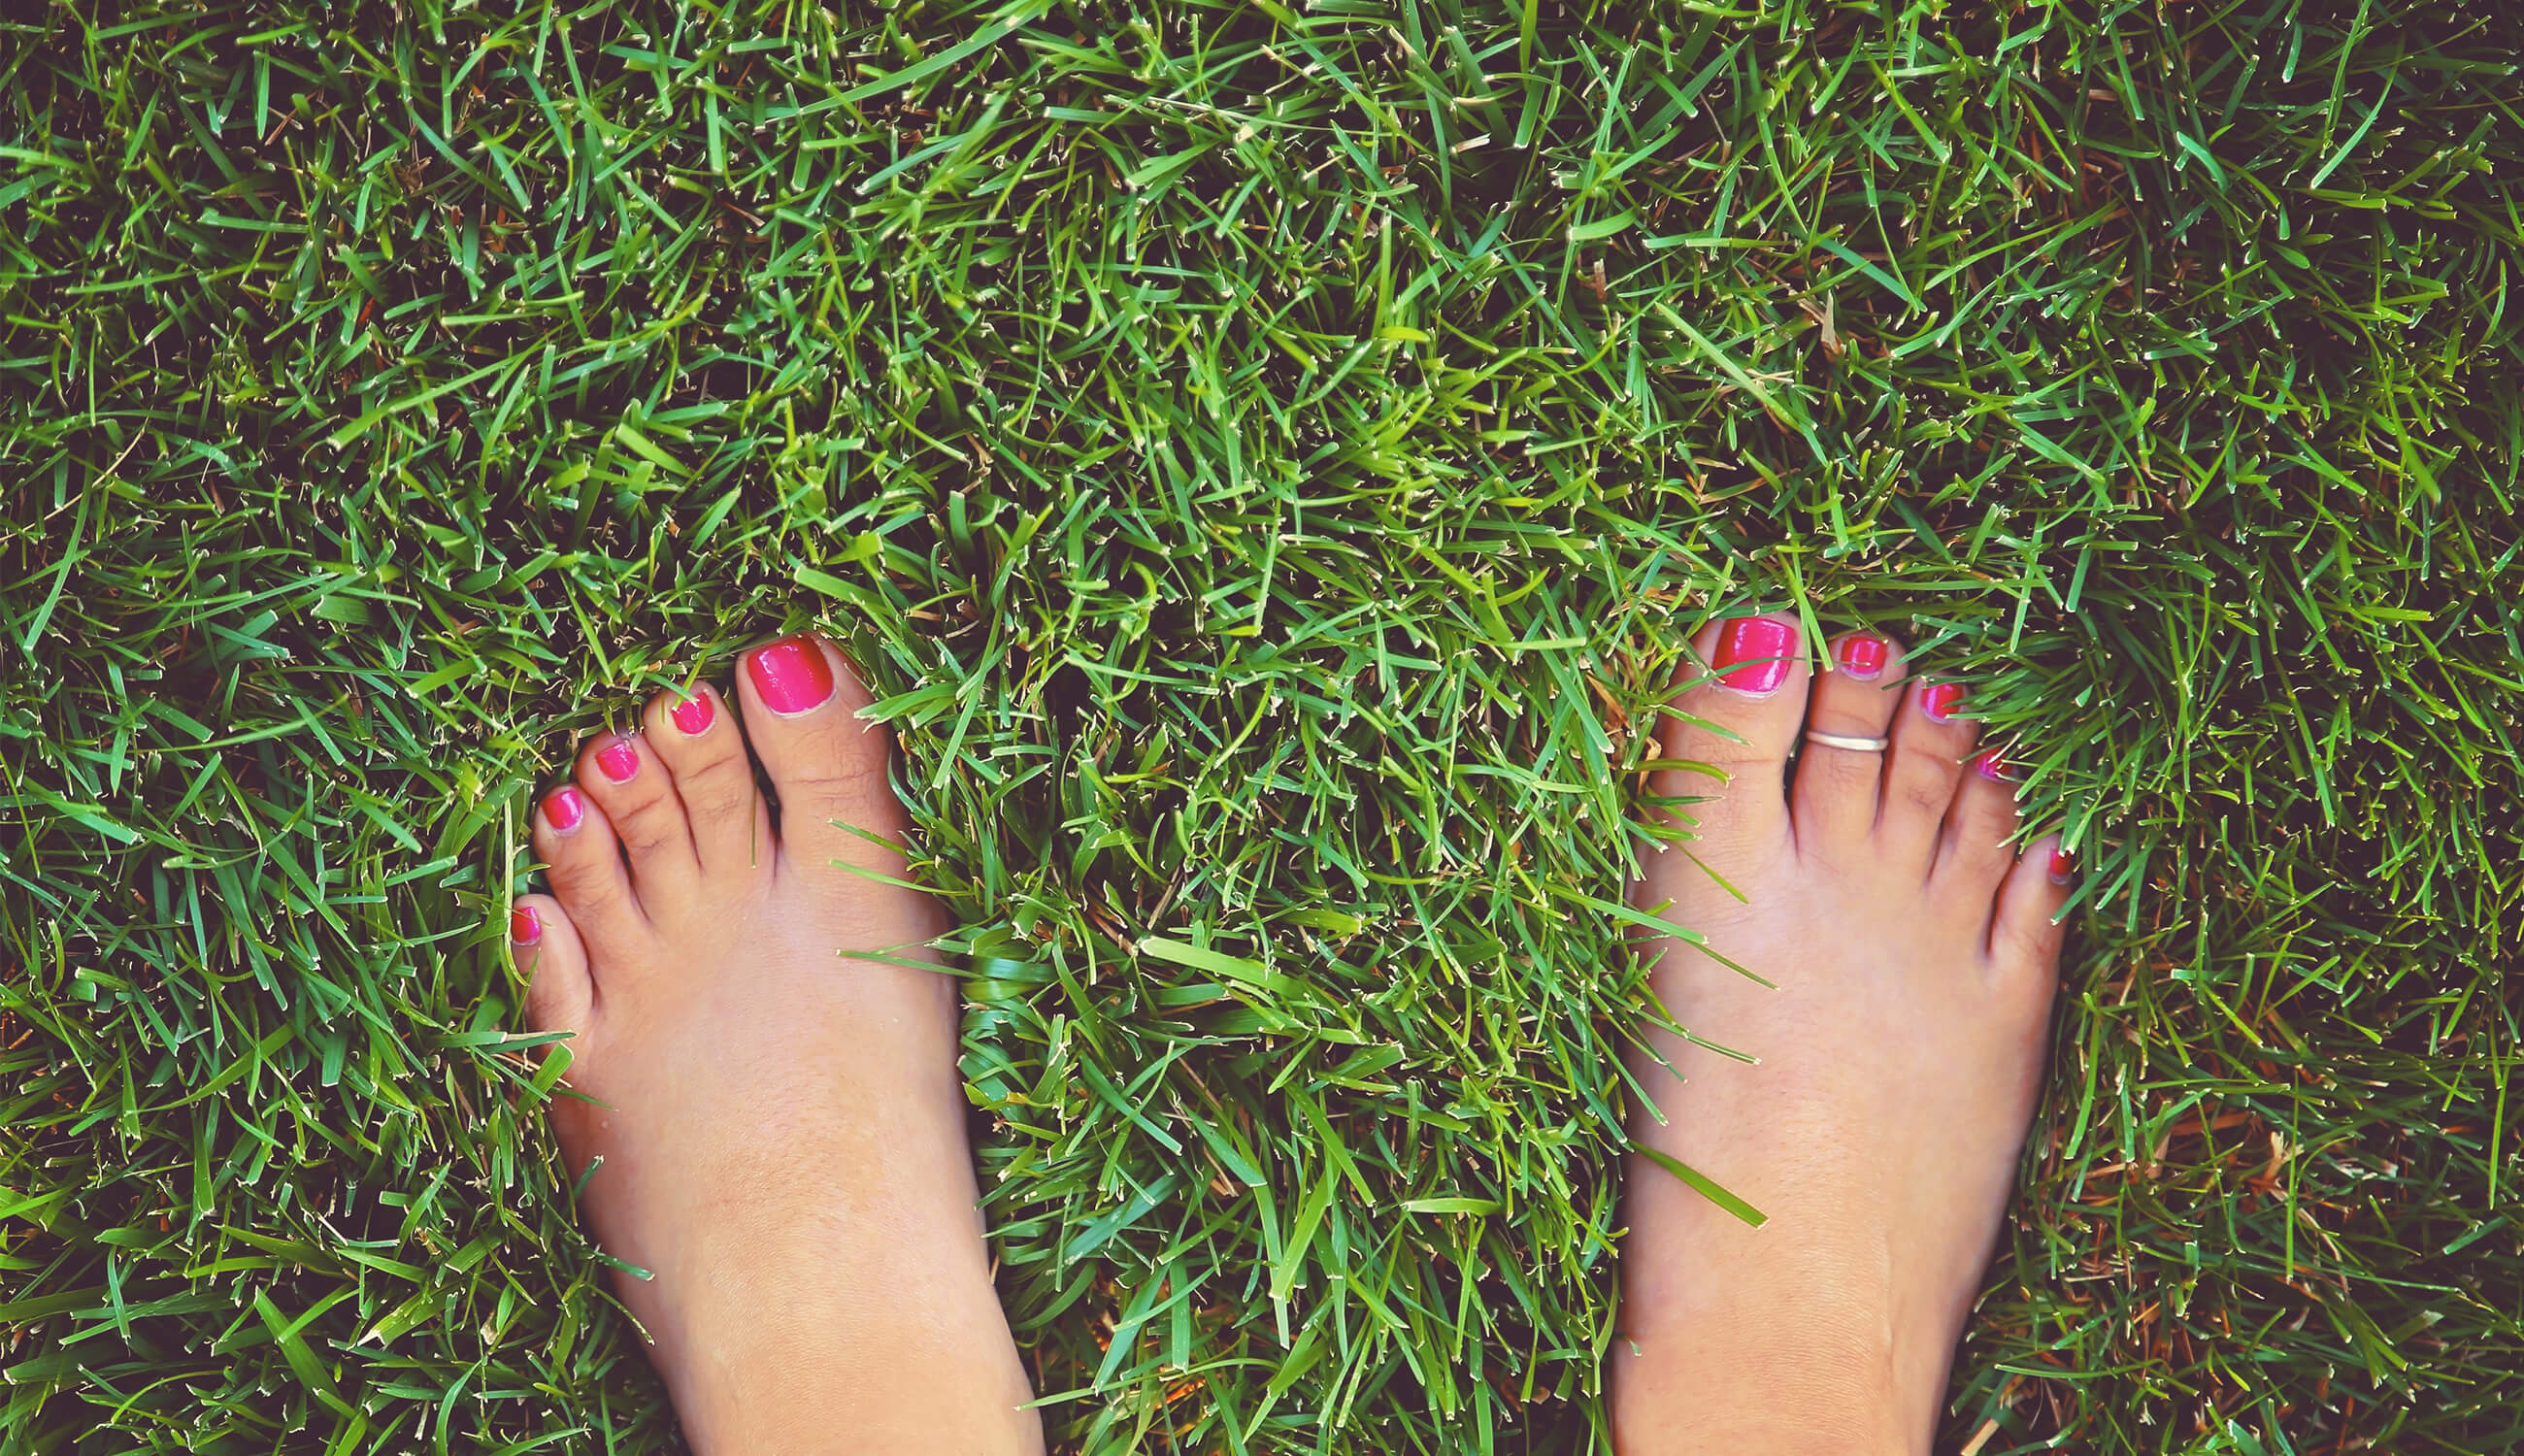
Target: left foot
[[770, 1119]]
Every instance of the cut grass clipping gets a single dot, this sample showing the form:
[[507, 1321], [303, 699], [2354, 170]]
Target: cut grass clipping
[[1265, 457]]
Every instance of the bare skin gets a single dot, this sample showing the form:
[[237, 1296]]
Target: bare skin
[[776, 1127], [1916, 956]]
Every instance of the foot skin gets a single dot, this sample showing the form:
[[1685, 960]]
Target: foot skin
[[776, 1129], [1915, 956]]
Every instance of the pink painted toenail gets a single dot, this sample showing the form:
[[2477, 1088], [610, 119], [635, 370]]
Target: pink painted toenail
[[1765, 646], [693, 714], [2062, 865], [791, 674], [1940, 701], [526, 927], [1991, 764], [1864, 655], [564, 807], [618, 759]]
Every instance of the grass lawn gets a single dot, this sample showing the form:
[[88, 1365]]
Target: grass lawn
[[1265, 460]]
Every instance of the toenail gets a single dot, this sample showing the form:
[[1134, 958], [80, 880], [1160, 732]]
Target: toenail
[[2062, 865], [618, 761], [1864, 655], [1940, 701], [1992, 766], [791, 674], [693, 714], [526, 927], [563, 809], [1766, 647]]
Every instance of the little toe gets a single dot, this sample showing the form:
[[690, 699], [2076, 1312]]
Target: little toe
[[583, 862], [1974, 853], [1836, 785], [1930, 741], [2025, 932], [1736, 725], [701, 745], [638, 797], [560, 986], [827, 765]]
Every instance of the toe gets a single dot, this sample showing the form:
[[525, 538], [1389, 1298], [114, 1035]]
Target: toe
[[560, 987], [583, 861], [637, 796], [1930, 741], [704, 750], [1836, 786], [1974, 853], [827, 764], [2024, 934], [1733, 727]]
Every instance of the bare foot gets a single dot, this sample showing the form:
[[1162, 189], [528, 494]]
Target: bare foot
[[1914, 956], [776, 1127]]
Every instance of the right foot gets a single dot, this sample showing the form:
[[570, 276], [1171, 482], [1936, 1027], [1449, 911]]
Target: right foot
[[775, 1127], [1915, 956]]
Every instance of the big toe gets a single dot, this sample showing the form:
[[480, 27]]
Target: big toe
[[826, 764], [1734, 726]]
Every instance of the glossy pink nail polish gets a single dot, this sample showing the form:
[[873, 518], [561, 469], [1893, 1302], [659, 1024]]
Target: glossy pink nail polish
[[1864, 655], [526, 927], [1766, 647], [1991, 764], [791, 674], [693, 714], [1940, 701], [617, 760], [2064, 865], [563, 807]]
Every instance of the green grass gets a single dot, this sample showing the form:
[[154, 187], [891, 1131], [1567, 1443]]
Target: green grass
[[1265, 460]]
